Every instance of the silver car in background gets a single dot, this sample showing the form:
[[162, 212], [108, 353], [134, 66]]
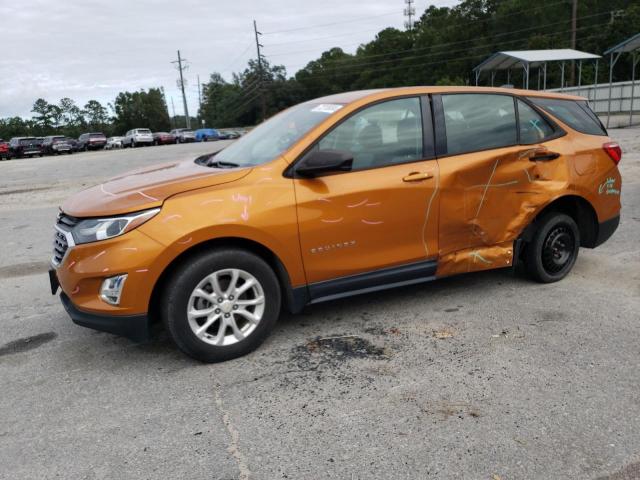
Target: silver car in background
[[184, 135], [137, 137], [113, 142]]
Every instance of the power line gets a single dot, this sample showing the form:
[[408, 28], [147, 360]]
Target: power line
[[448, 44], [395, 13]]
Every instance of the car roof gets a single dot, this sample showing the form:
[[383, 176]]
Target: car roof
[[349, 97]]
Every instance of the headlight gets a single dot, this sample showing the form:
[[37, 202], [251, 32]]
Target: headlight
[[94, 229]]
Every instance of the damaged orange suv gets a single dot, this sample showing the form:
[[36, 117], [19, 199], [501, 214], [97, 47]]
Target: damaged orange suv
[[342, 195]]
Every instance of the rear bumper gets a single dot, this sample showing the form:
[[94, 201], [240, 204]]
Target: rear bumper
[[606, 229], [134, 327]]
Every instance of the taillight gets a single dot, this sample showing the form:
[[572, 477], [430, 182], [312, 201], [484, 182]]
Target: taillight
[[614, 151]]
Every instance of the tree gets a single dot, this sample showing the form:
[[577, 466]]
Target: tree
[[142, 109], [96, 115]]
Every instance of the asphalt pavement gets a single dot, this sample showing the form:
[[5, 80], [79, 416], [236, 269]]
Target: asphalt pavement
[[480, 376]]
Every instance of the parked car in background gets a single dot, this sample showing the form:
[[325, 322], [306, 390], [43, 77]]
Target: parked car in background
[[55, 145], [184, 135], [113, 142], [73, 143], [232, 135], [92, 141], [4, 150], [207, 134], [163, 138], [137, 137], [20, 147]]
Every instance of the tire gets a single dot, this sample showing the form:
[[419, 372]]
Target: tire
[[554, 249], [179, 297]]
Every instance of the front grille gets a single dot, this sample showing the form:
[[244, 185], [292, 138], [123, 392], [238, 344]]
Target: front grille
[[62, 236]]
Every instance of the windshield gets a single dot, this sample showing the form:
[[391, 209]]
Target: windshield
[[273, 137]]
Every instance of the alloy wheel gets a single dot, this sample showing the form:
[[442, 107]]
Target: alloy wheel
[[226, 307]]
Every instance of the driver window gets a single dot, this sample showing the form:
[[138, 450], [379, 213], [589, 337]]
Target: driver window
[[384, 134]]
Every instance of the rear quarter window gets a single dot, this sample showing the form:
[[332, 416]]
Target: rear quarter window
[[576, 114]]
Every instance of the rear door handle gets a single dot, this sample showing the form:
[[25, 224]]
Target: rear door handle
[[543, 156], [417, 176]]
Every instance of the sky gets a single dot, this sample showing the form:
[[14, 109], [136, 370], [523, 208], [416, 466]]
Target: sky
[[92, 49]]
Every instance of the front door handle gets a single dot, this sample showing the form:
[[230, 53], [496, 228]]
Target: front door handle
[[417, 176]]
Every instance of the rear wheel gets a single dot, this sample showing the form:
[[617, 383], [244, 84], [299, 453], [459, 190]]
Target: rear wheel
[[221, 305], [554, 249]]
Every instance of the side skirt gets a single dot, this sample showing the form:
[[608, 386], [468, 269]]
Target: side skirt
[[369, 282]]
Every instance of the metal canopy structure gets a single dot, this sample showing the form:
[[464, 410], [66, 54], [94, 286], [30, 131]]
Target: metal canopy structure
[[528, 59], [630, 45]]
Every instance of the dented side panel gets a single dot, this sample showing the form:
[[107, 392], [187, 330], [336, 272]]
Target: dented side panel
[[488, 198]]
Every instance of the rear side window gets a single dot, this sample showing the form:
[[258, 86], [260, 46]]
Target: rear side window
[[533, 127], [478, 122], [577, 115]]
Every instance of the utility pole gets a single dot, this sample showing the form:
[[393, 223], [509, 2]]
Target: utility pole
[[182, 68], [409, 12], [199, 103], [574, 24], [263, 102], [173, 108]]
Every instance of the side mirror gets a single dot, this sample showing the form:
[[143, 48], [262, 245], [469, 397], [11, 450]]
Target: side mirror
[[319, 162]]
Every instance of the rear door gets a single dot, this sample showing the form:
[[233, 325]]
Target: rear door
[[380, 214], [487, 184]]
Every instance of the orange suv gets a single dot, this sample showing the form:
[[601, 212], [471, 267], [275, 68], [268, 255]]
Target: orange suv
[[346, 194]]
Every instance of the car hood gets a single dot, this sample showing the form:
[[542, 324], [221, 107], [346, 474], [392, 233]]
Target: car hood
[[147, 188]]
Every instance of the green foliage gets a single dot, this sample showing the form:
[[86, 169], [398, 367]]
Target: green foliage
[[142, 109]]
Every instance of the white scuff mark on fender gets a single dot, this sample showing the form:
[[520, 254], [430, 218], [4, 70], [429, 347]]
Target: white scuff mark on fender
[[504, 184], [142, 270], [484, 193], [212, 200], [476, 256], [426, 217], [370, 222], [105, 191], [265, 179], [148, 196], [336, 220], [171, 217], [359, 204], [184, 242], [245, 213], [129, 249], [99, 254], [234, 446], [373, 204]]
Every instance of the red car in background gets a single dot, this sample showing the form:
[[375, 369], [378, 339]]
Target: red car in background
[[163, 138], [4, 150]]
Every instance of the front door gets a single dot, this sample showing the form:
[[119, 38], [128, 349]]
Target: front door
[[384, 212]]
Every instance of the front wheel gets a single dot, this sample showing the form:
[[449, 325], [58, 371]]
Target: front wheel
[[554, 249], [221, 304]]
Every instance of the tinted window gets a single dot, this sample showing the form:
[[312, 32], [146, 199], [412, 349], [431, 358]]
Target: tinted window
[[533, 127], [478, 122], [384, 134], [575, 114]]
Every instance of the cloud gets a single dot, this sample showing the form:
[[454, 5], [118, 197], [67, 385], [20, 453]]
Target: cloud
[[89, 49]]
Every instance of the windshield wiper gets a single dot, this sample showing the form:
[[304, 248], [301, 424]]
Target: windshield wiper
[[221, 164]]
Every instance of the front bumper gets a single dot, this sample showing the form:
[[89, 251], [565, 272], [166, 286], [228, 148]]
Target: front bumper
[[134, 327]]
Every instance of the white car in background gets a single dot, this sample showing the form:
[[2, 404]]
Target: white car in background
[[113, 142], [137, 137], [184, 135]]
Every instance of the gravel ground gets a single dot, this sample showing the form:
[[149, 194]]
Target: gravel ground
[[480, 376]]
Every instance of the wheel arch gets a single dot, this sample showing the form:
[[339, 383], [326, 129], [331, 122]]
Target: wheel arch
[[294, 299], [578, 208]]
